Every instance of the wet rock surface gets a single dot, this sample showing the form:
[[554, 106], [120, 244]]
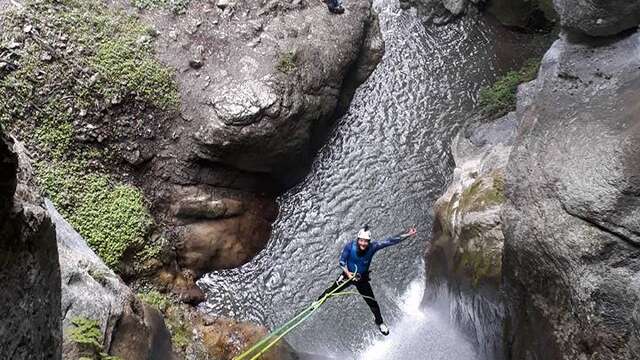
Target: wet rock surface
[[29, 270], [600, 17], [464, 259], [90, 290], [570, 222]]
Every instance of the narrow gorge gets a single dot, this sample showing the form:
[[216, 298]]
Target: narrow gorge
[[178, 177]]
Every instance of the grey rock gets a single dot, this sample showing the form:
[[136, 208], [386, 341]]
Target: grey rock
[[253, 115], [456, 7], [464, 259], [30, 325], [91, 290], [598, 17], [572, 243]]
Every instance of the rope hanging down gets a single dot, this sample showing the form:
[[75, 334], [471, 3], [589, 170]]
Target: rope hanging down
[[266, 343]]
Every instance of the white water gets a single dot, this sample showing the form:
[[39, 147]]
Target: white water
[[421, 333]]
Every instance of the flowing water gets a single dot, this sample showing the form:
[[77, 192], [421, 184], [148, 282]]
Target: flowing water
[[385, 164]]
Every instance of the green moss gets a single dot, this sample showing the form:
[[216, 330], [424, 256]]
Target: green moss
[[156, 299], [481, 263], [181, 332], [98, 275], [177, 321], [500, 98], [128, 69], [486, 191], [112, 217], [86, 333], [287, 62]]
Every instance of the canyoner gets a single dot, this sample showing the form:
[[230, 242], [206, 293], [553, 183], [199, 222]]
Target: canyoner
[[355, 260]]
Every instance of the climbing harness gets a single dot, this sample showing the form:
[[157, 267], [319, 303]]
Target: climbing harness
[[266, 343]]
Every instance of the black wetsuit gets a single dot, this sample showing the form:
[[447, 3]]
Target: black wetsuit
[[364, 288]]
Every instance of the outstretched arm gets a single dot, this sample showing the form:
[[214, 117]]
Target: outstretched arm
[[395, 239]]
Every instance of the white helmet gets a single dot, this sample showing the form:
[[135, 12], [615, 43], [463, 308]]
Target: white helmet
[[364, 233]]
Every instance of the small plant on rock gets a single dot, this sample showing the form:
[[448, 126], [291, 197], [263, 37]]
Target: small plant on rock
[[86, 333], [287, 62], [500, 98]]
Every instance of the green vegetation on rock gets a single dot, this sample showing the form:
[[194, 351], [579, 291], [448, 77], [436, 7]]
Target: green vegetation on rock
[[500, 98], [112, 217], [71, 67], [481, 261], [175, 316], [86, 333], [483, 193], [287, 62], [156, 299]]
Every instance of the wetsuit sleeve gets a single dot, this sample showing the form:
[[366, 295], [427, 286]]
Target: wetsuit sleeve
[[345, 254], [392, 240]]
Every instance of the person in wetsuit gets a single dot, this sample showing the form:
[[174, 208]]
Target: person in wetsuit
[[335, 6], [355, 260]]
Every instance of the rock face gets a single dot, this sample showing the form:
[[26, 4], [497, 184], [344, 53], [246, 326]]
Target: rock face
[[464, 265], [91, 291], [270, 76], [598, 17], [524, 14], [572, 244], [259, 82], [29, 271]]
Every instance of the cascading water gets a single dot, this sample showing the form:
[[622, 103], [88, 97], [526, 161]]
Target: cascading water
[[385, 164]]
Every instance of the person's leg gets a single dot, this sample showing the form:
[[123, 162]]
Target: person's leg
[[364, 288], [340, 282]]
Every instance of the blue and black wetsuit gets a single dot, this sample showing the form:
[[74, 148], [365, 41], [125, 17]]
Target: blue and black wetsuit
[[358, 262]]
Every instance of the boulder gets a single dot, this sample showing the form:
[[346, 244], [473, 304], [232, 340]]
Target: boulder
[[218, 228], [598, 17], [464, 259], [225, 338], [92, 292], [571, 259], [271, 78], [30, 325]]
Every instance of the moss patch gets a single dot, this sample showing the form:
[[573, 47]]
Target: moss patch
[[176, 317], [77, 57], [287, 62], [87, 334], [483, 193], [159, 301], [500, 98], [112, 217], [481, 263]]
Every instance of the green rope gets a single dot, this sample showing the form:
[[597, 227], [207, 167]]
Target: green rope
[[266, 343]]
